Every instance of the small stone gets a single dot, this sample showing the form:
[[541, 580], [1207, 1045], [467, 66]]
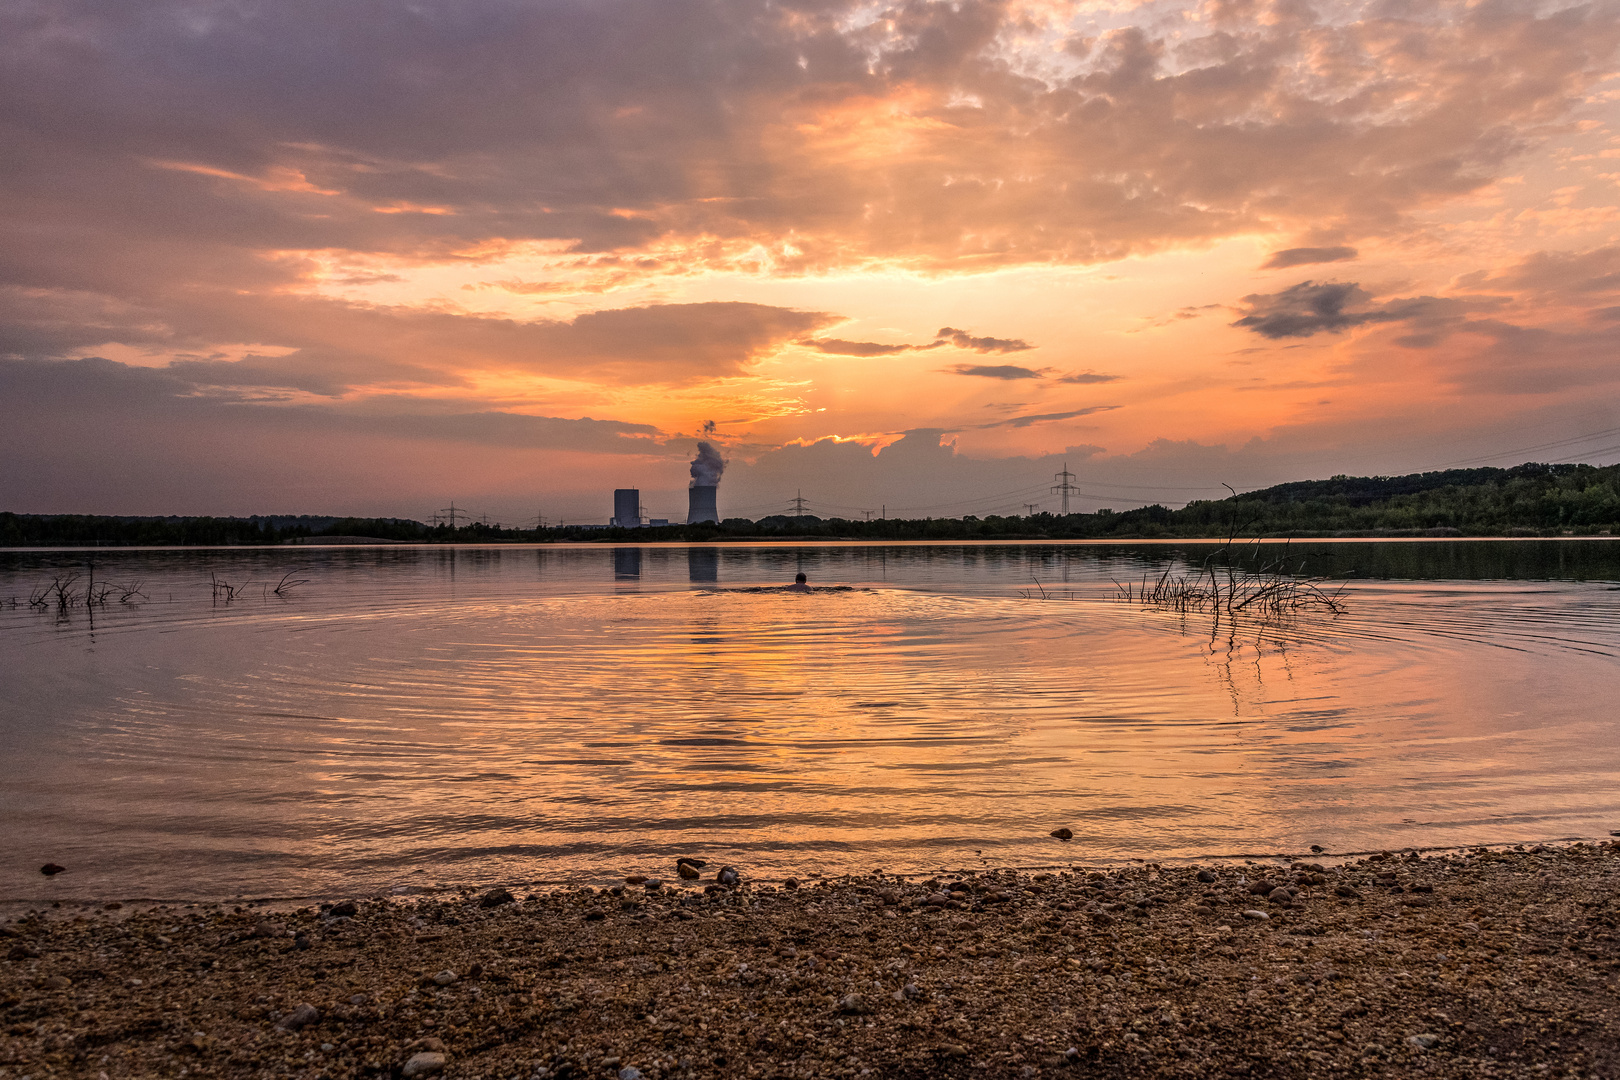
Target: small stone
[[636, 879], [1062, 834], [937, 899], [1203, 909], [22, 952], [348, 909], [301, 941], [1349, 892], [1251, 913], [791, 883], [1425, 1041], [495, 897], [1279, 895], [653, 884], [301, 1017], [696, 864], [424, 1064], [429, 1043], [1317, 849], [51, 869], [445, 977], [1206, 876], [594, 914], [853, 1004], [1262, 887], [629, 1072], [728, 875], [686, 871], [266, 929], [57, 982]]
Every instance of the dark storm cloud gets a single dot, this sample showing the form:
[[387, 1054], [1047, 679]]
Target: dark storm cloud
[[963, 340], [1304, 256], [1310, 308]]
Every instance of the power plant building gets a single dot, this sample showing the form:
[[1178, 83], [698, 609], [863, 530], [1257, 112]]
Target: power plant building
[[627, 508]]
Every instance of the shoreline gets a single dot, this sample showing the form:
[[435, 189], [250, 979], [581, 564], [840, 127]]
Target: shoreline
[[1279, 861], [1475, 962]]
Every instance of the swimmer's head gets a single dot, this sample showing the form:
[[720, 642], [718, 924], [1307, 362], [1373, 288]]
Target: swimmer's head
[[800, 578]]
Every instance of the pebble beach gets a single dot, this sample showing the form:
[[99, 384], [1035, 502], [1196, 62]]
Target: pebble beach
[[1477, 963]]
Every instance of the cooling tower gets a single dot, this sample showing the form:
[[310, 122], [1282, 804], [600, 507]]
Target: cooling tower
[[703, 506], [627, 507]]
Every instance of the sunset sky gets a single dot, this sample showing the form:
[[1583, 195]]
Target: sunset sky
[[333, 257]]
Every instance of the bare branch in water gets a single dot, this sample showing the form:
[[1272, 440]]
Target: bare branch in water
[[289, 583], [224, 591]]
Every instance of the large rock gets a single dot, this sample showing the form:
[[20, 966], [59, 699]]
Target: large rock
[[426, 1063], [301, 1017]]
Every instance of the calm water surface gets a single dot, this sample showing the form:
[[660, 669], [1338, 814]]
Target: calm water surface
[[418, 716]]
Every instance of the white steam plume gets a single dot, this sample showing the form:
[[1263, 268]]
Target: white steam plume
[[707, 466]]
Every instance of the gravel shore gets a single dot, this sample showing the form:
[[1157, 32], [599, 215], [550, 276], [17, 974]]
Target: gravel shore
[[1471, 964]]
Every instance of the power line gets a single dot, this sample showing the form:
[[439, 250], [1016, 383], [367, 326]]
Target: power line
[[1587, 453], [1555, 444]]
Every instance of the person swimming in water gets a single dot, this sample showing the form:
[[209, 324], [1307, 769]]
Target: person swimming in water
[[799, 584]]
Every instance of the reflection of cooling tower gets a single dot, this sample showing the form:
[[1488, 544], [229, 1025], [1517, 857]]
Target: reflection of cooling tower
[[626, 507], [702, 506], [702, 564]]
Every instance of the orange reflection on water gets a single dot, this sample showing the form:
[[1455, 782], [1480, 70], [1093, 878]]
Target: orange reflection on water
[[491, 728]]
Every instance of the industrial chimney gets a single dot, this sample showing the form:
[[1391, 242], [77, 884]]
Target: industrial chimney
[[706, 470]]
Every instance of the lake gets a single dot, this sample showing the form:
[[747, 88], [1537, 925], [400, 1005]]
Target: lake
[[417, 717]]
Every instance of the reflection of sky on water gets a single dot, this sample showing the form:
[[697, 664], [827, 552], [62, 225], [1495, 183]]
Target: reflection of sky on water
[[513, 713]]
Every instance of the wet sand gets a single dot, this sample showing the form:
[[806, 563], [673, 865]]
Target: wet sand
[[1475, 964]]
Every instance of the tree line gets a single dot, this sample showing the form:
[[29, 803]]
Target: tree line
[[1526, 500]]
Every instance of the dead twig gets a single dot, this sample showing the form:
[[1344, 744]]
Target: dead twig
[[289, 583]]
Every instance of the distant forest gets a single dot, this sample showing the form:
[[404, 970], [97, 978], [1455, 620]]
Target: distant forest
[[1527, 500]]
